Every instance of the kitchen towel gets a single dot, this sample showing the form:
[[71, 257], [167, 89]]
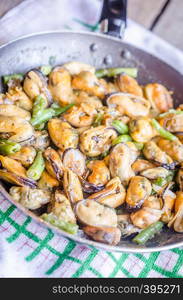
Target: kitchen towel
[[29, 250]]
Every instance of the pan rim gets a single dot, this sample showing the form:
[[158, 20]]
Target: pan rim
[[98, 34], [39, 221], [80, 240]]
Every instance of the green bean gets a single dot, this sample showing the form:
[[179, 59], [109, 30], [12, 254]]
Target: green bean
[[44, 117], [17, 76], [148, 233], [170, 176], [122, 139], [39, 105], [139, 146], [61, 224], [153, 191], [60, 110], [7, 147], [104, 154], [40, 126], [98, 120], [162, 132], [36, 169], [46, 69], [48, 113], [171, 111], [120, 126], [111, 72], [92, 159], [7, 142], [160, 181]]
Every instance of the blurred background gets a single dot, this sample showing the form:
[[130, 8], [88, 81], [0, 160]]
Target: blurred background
[[163, 17]]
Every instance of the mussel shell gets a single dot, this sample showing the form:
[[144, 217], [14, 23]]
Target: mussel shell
[[75, 160], [15, 179], [90, 188], [43, 79]]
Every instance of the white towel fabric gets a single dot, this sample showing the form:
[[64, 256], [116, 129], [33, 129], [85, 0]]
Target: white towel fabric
[[35, 16]]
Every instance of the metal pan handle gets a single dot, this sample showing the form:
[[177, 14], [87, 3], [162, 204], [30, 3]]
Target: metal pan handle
[[113, 17]]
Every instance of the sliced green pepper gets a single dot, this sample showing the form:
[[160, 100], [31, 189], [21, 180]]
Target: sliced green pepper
[[148, 233], [162, 132], [7, 147], [111, 72], [61, 224], [139, 146], [122, 139], [17, 76], [171, 111], [60, 110], [120, 126], [46, 69], [98, 120], [36, 169]]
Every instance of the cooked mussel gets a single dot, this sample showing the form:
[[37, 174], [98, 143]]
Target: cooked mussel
[[17, 96], [14, 172], [125, 225], [10, 110], [25, 156], [30, 198], [74, 160], [41, 140], [152, 152], [145, 217], [97, 140], [113, 195], [16, 179], [12, 166], [172, 148], [141, 130], [87, 81], [138, 191], [80, 115], [172, 122], [90, 188], [107, 235], [129, 104], [154, 202], [60, 206], [60, 86], [47, 182], [35, 84], [168, 205], [100, 174], [127, 84], [92, 213], [75, 67], [154, 173], [159, 97], [63, 135], [21, 130], [120, 160], [72, 186], [177, 221], [141, 164], [179, 179], [53, 163]]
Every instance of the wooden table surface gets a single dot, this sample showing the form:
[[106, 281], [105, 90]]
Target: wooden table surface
[[163, 17]]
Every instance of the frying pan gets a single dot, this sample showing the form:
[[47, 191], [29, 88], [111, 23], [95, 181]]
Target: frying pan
[[100, 50]]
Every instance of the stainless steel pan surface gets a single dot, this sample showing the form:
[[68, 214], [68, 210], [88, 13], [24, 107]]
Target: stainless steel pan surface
[[101, 51]]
